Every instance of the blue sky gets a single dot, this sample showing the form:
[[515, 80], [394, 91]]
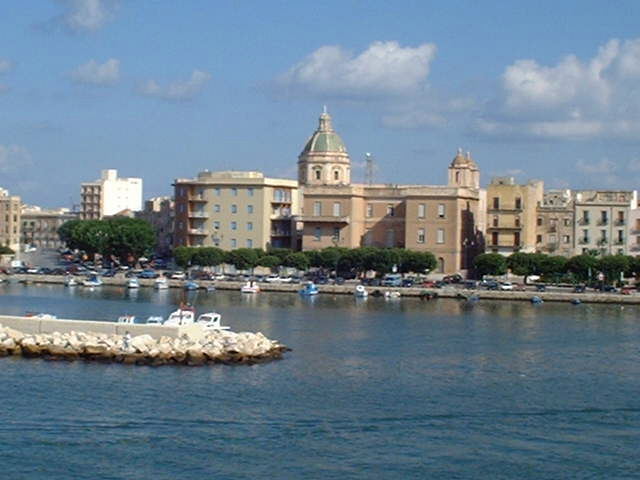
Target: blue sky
[[163, 89]]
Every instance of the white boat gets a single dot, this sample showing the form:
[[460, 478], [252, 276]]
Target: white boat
[[70, 282], [161, 283], [127, 319], [133, 283], [392, 294], [191, 285], [361, 292], [250, 287], [181, 317], [308, 289], [154, 320], [92, 281], [211, 321]]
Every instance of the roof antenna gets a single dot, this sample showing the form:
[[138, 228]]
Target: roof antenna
[[369, 168]]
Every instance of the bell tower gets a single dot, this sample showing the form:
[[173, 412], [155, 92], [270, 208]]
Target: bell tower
[[463, 171]]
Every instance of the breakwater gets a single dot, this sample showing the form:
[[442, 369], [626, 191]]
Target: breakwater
[[446, 292], [155, 345]]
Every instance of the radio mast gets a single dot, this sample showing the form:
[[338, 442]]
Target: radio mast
[[369, 169]]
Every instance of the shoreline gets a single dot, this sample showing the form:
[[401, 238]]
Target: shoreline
[[415, 292]]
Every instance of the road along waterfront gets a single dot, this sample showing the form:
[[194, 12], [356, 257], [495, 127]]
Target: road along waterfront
[[446, 292]]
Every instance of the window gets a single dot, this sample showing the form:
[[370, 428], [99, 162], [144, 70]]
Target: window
[[336, 209], [603, 235], [234, 243], [317, 209], [516, 239], [620, 218], [318, 234], [518, 203], [566, 239], [620, 236], [234, 225], [458, 177], [234, 191], [250, 191], [369, 210], [585, 236], [422, 210], [234, 208], [249, 208], [216, 225], [216, 208], [567, 222], [585, 217], [336, 234], [538, 238], [494, 238], [496, 203], [336, 174], [421, 235], [552, 238], [217, 190], [517, 222], [391, 210], [603, 217], [440, 237], [180, 209], [539, 221], [496, 220], [441, 210], [620, 251], [249, 226], [249, 243], [317, 173]]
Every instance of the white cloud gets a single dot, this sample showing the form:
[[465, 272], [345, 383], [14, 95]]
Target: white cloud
[[603, 166], [13, 157], [94, 73], [87, 15], [177, 91], [5, 65], [572, 99], [384, 68]]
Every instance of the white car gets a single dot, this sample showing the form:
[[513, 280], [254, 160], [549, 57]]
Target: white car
[[219, 276], [178, 276], [272, 279], [286, 279], [506, 286]]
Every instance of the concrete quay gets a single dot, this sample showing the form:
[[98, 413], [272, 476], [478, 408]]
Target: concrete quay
[[447, 292]]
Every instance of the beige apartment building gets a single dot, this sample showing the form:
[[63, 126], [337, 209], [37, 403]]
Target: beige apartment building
[[10, 214], [109, 195], [40, 226], [233, 210], [445, 220], [555, 223], [512, 215], [160, 213], [602, 221]]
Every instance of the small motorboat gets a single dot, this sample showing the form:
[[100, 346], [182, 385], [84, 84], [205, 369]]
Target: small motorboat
[[250, 287], [191, 285], [392, 294], [308, 288], [576, 301], [133, 282], [92, 281], [536, 300], [70, 282], [211, 321], [361, 292], [127, 319], [154, 320], [211, 288], [181, 317], [161, 283], [41, 316]]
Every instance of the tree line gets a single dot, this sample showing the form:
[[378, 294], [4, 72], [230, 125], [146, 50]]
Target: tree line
[[580, 268], [353, 260], [124, 238]]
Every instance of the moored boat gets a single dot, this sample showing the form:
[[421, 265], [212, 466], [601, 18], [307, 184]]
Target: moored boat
[[191, 285], [127, 319], [161, 283], [250, 287], [308, 288], [133, 282], [69, 281], [92, 281], [361, 292]]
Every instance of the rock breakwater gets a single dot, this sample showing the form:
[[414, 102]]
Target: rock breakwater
[[214, 347]]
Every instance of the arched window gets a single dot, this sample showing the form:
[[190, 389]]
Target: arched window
[[317, 173], [457, 177], [336, 174], [440, 265]]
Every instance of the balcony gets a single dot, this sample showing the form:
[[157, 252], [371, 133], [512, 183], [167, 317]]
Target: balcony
[[281, 200], [198, 215], [281, 213], [635, 248], [603, 221], [324, 219], [280, 233], [584, 241], [197, 231], [619, 241], [197, 198], [584, 221], [621, 222]]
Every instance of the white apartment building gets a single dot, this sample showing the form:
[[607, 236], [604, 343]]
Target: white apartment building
[[110, 195]]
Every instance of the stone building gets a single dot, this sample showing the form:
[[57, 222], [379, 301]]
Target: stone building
[[235, 210], [445, 220], [512, 215], [602, 221], [110, 195], [555, 223], [160, 213], [10, 214], [40, 226]]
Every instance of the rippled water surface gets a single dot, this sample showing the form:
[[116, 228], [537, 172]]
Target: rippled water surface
[[372, 390]]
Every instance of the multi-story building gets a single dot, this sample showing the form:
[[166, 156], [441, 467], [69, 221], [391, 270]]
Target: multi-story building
[[445, 220], [10, 212], [511, 215], [602, 221], [554, 223], [109, 195], [235, 210], [40, 227], [160, 213]]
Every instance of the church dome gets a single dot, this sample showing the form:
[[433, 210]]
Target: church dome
[[324, 139], [461, 160]]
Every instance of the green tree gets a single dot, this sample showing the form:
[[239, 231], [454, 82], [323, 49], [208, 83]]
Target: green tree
[[126, 237], [280, 253], [269, 261], [490, 264], [582, 267], [183, 255], [613, 266], [520, 263], [65, 231], [208, 256], [553, 265], [416, 262], [243, 258], [297, 260]]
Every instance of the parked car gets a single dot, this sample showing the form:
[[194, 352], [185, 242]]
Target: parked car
[[580, 289], [407, 282], [273, 278], [628, 290], [392, 280], [471, 284], [455, 278], [541, 287], [519, 287], [490, 284], [177, 275], [505, 286]]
